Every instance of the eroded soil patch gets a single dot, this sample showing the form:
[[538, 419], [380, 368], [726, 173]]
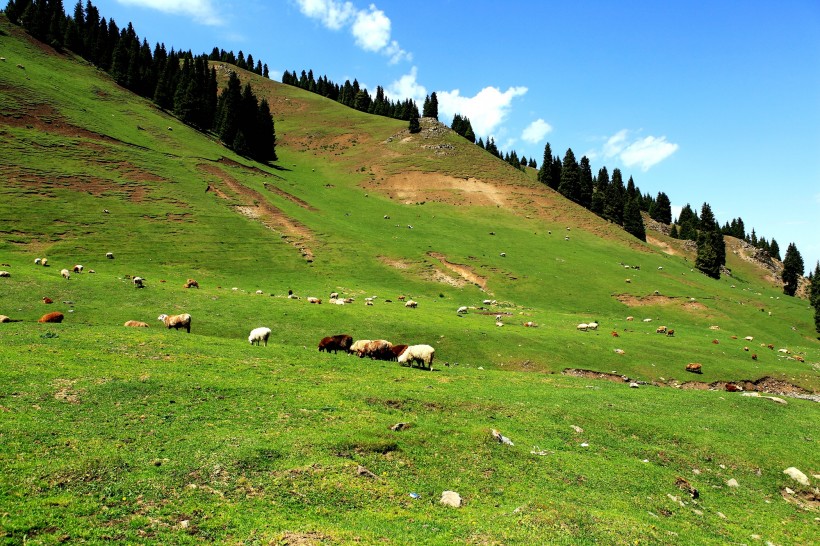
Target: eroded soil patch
[[767, 384], [256, 207], [653, 299], [464, 271]]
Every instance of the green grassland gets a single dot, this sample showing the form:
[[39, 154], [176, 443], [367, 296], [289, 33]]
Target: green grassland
[[152, 435]]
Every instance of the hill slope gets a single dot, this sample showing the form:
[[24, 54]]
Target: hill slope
[[286, 427]]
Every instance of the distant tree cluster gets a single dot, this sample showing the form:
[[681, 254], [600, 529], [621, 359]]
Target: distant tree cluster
[[178, 82], [462, 126], [814, 295], [430, 107], [354, 96]]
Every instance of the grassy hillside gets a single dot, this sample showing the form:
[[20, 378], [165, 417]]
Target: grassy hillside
[[143, 435]]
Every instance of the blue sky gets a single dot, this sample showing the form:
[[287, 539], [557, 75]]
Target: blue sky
[[709, 101]]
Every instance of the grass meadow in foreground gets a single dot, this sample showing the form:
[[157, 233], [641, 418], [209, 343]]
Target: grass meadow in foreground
[[178, 438]]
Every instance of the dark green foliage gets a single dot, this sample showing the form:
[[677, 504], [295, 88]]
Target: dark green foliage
[[673, 232], [430, 109], [774, 250], [814, 295], [585, 183], [570, 186], [661, 209], [414, 125], [707, 260], [545, 172], [633, 221], [615, 198], [793, 269], [462, 126]]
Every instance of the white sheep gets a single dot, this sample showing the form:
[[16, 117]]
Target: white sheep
[[311, 299], [176, 321], [5, 274], [582, 327], [78, 269], [359, 347], [461, 310], [339, 302], [592, 325], [65, 273], [259, 335], [109, 255], [334, 295], [37, 261], [418, 353], [412, 304], [44, 262], [138, 282]]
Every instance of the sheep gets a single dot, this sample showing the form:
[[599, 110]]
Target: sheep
[[613, 333], [530, 324], [368, 302], [670, 332], [52, 317], [317, 301], [647, 320], [461, 310], [109, 255], [358, 347], [258, 335], [259, 292], [38, 261], [138, 282], [78, 269], [5, 274], [135, 324], [592, 326], [378, 349], [630, 319], [65, 273], [749, 338], [176, 321], [4, 318], [397, 350], [47, 300], [694, 367], [349, 300], [732, 387], [661, 330], [191, 283], [582, 327], [401, 298], [418, 353], [499, 323], [339, 302], [340, 342], [44, 262], [411, 304], [334, 295]]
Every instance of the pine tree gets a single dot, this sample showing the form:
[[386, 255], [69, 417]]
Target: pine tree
[[793, 269], [227, 117], [414, 125], [673, 232], [707, 260], [774, 249], [569, 186], [614, 202], [814, 295], [662, 209], [545, 172], [430, 108], [633, 221], [586, 183]]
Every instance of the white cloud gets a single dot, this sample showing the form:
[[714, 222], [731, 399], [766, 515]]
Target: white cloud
[[536, 131], [407, 87], [642, 152], [486, 110], [202, 11], [370, 27]]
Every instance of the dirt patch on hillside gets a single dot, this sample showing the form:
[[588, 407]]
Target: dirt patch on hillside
[[416, 187], [292, 198], [663, 246], [397, 264], [464, 271], [654, 299], [256, 207], [45, 118], [768, 385]]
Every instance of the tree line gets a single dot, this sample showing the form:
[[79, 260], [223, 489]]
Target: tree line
[[176, 81], [353, 95]]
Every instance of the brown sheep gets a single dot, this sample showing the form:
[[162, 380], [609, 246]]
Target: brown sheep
[[613, 333], [47, 300], [378, 349], [670, 333], [340, 342], [661, 330], [52, 317], [177, 321], [190, 283], [754, 356], [397, 350], [136, 324], [694, 367]]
